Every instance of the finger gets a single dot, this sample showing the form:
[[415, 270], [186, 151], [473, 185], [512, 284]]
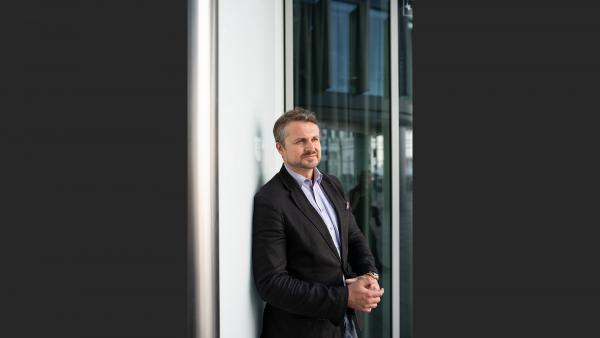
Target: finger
[[374, 286], [379, 292], [371, 301], [374, 293]]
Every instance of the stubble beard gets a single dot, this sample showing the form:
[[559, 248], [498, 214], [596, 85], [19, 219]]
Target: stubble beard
[[305, 164]]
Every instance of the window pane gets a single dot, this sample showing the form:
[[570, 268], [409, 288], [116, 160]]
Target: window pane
[[341, 72]]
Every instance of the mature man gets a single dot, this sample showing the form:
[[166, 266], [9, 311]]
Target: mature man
[[306, 244]]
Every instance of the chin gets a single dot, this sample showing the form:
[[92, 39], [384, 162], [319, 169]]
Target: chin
[[310, 164]]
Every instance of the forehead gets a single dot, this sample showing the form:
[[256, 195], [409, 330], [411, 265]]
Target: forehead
[[301, 129]]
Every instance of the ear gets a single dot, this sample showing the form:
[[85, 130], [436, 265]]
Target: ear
[[280, 148]]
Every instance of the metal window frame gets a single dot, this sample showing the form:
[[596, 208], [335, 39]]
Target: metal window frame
[[288, 23], [203, 168], [395, 136], [395, 144]]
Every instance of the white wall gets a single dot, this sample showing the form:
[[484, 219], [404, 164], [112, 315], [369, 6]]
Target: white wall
[[250, 98]]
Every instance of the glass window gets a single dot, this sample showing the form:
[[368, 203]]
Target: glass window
[[341, 72]]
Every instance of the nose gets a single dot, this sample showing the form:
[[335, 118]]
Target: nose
[[310, 147]]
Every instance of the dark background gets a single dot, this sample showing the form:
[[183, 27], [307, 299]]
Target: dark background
[[93, 137], [506, 170], [93, 173]]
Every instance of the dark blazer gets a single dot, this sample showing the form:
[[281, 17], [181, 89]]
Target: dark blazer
[[296, 267]]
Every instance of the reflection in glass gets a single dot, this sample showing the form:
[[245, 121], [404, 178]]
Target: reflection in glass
[[341, 72]]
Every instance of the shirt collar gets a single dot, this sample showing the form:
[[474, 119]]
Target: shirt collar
[[301, 179]]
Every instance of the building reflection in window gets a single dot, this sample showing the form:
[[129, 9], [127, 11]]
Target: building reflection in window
[[341, 71]]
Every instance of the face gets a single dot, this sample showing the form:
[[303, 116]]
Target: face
[[301, 150]]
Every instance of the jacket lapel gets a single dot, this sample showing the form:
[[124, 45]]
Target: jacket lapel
[[307, 209], [339, 205], [310, 212]]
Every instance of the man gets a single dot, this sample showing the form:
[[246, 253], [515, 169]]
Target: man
[[306, 243]]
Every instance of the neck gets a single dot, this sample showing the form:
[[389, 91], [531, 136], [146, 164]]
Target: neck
[[308, 173]]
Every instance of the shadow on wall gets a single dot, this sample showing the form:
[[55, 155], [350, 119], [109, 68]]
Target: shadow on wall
[[257, 303]]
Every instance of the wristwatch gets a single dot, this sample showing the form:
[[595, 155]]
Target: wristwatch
[[373, 274]]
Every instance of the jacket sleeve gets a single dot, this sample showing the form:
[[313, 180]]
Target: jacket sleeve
[[272, 280]]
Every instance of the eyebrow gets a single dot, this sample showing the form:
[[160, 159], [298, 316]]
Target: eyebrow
[[304, 138]]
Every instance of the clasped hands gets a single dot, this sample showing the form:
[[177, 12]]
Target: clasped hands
[[364, 293]]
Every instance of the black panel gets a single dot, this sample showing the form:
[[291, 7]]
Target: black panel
[[93, 136]]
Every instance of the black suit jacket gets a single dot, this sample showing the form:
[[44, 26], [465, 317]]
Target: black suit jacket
[[296, 267]]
